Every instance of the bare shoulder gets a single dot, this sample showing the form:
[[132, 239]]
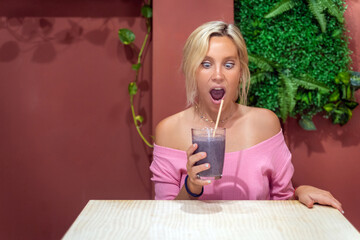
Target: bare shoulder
[[169, 131], [264, 122], [165, 129]]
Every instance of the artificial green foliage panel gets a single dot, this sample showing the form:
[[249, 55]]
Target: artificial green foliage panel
[[295, 55]]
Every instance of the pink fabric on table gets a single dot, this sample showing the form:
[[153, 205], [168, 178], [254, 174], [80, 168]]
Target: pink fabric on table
[[261, 172]]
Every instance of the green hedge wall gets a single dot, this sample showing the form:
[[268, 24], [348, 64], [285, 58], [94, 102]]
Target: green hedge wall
[[298, 68]]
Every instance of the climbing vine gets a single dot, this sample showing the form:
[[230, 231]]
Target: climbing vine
[[127, 37]]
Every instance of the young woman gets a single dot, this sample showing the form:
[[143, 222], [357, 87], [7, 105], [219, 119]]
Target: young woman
[[257, 161]]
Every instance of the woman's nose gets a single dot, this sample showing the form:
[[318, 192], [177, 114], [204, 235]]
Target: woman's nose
[[217, 75]]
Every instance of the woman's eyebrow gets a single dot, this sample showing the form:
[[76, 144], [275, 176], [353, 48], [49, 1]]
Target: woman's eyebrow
[[208, 58], [231, 57]]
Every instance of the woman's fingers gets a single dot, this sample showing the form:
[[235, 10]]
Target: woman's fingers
[[309, 195], [307, 201], [328, 199], [193, 158], [200, 168], [191, 150], [193, 174], [194, 170]]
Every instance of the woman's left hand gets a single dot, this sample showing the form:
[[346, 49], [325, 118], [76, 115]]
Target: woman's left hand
[[308, 195]]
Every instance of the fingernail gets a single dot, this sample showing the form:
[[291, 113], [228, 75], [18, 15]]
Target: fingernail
[[207, 165], [194, 145], [208, 181], [342, 212]]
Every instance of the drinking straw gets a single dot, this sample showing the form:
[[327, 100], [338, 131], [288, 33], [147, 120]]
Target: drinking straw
[[218, 117]]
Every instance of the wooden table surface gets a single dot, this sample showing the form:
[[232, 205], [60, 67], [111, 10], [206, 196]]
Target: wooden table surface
[[150, 219]]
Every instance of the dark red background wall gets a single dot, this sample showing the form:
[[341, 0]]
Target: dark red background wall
[[66, 135]]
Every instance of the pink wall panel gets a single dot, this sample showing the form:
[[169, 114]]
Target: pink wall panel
[[173, 23]]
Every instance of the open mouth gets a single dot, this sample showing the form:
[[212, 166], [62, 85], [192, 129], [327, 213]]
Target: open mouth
[[217, 93]]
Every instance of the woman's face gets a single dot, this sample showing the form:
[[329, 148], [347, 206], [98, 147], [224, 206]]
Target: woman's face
[[218, 75]]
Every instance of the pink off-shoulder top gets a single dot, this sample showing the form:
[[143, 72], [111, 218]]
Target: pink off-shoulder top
[[261, 172]]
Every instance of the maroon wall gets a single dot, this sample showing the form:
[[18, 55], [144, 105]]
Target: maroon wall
[[327, 158], [66, 135]]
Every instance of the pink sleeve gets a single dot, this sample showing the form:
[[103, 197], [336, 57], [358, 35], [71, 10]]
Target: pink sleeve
[[281, 187], [168, 167]]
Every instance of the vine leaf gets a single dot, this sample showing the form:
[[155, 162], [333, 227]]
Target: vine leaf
[[136, 66], [126, 36], [139, 118], [279, 8], [146, 11], [132, 88]]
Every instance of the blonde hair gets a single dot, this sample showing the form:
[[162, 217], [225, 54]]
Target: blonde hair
[[195, 50]]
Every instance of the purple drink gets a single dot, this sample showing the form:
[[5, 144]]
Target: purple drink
[[214, 148]]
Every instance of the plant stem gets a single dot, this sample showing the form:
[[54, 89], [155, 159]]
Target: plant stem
[[141, 51], [143, 46], [136, 124]]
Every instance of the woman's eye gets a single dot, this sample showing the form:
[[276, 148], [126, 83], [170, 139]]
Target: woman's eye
[[229, 65], [206, 64]]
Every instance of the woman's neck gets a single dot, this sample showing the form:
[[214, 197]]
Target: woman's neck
[[209, 116]]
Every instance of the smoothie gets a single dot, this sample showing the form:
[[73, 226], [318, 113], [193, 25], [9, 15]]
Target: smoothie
[[215, 149]]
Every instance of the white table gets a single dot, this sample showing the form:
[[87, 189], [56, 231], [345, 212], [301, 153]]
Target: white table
[[150, 219]]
